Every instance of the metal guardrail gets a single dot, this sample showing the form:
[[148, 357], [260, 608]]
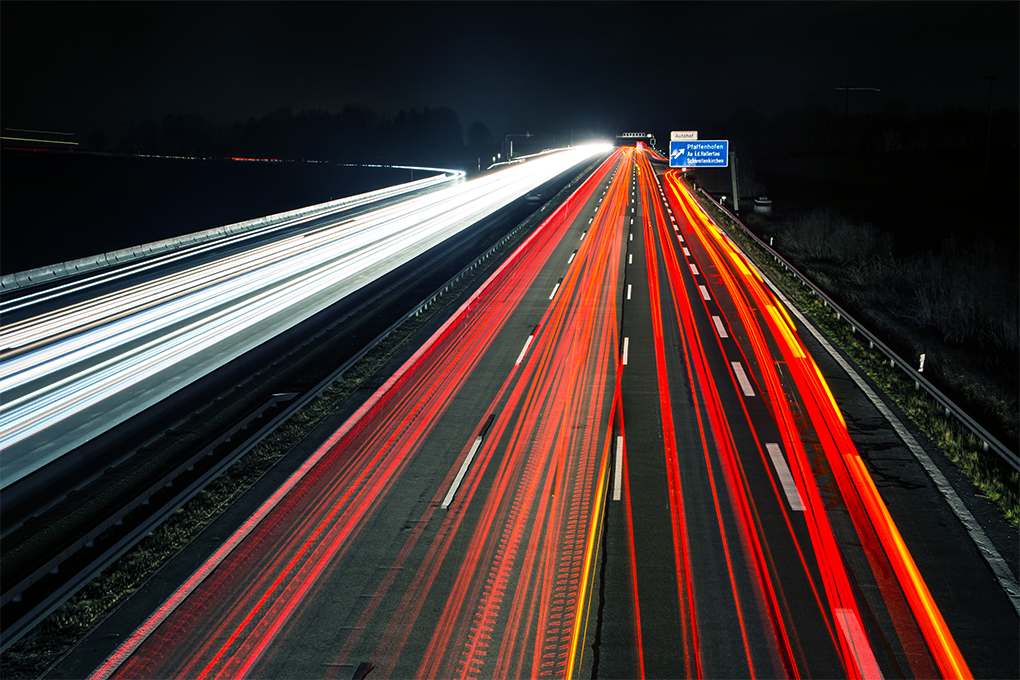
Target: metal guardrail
[[61, 270], [920, 382]]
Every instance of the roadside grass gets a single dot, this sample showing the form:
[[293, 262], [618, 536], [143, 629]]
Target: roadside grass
[[994, 479]]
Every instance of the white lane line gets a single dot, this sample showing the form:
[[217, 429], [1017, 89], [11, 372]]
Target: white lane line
[[631, 237], [630, 258], [618, 471], [854, 634], [681, 239], [460, 473], [745, 384], [719, 327], [626, 349], [686, 252], [628, 291], [590, 219], [785, 476], [555, 288], [583, 233], [694, 269], [572, 257], [524, 351], [704, 293]]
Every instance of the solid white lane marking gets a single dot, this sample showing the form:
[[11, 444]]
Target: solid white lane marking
[[460, 473], [785, 476], [628, 291], [524, 351], [704, 293], [745, 384], [618, 471], [854, 634], [719, 327], [694, 269], [626, 349]]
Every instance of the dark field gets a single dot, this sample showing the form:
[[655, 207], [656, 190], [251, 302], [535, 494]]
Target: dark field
[[921, 197], [59, 206]]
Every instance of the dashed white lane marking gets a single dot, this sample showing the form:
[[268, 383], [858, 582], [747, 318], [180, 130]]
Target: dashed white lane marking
[[785, 476], [687, 252], [630, 258], [626, 350], [745, 384], [704, 293], [628, 291], [572, 257], [524, 351], [854, 634], [694, 269], [720, 329], [555, 288], [618, 471], [460, 473]]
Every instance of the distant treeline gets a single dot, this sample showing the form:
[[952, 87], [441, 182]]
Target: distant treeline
[[430, 136], [815, 129]]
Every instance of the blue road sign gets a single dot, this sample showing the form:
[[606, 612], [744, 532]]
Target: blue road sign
[[699, 154]]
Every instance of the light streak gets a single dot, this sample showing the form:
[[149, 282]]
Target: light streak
[[63, 364], [44, 141], [870, 516]]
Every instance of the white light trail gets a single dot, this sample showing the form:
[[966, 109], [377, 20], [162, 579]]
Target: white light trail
[[172, 330]]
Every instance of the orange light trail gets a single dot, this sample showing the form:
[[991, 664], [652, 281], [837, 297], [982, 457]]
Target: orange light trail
[[868, 511]]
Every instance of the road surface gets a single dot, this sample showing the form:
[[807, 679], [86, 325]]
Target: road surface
[[616, 459]]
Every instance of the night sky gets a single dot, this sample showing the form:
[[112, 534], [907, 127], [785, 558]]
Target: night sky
[[595, 67]]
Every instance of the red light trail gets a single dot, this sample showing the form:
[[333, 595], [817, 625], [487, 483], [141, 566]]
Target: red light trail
[[454, 526]]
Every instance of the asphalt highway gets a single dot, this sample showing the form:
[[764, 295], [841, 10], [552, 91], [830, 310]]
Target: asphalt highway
[[617, 459]]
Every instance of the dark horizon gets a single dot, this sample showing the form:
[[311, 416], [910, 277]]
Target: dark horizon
[[545, 68]]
